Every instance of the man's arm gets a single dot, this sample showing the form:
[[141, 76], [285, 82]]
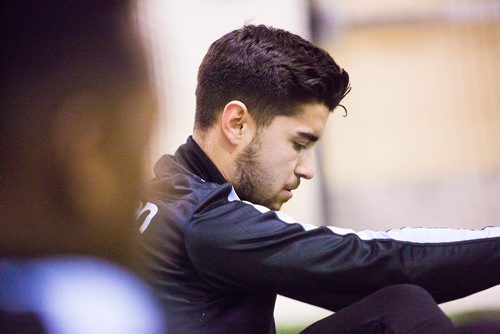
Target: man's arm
[[242, 246]]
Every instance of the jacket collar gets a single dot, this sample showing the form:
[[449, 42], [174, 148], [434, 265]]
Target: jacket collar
[[192, 157]]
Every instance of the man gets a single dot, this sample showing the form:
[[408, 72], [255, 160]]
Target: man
[[76, 105], [218, 249]]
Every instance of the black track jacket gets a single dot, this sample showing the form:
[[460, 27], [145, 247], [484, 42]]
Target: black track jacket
[[217, 262]]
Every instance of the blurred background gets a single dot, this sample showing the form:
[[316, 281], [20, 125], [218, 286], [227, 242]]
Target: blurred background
[[421, 143]]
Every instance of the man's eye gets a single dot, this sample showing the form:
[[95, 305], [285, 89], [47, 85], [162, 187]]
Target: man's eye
[[299, 146]]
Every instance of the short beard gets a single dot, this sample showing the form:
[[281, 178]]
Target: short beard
[[247, 171]]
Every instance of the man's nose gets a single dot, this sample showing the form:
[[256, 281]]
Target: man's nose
[[305, 166]]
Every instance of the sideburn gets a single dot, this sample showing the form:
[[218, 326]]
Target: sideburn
[[247, 171]]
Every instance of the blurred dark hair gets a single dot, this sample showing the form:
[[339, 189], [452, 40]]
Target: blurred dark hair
[[82, 62], [270, 70], [55, 49]]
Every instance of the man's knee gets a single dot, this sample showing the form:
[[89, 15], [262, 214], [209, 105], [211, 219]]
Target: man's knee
[[402, 308], [407, 308], [405, 296]]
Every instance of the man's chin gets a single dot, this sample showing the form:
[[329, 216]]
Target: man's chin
[[276, 206]]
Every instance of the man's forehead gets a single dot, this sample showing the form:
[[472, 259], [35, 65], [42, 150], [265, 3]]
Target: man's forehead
[[308, 123]]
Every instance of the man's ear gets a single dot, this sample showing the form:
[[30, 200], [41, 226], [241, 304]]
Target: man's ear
[[236, 121]]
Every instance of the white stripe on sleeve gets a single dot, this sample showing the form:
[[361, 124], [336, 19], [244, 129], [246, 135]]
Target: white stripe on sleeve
[[417, 235]]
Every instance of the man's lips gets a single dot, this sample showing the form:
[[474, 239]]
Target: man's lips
[[289, 188], [288, 194]]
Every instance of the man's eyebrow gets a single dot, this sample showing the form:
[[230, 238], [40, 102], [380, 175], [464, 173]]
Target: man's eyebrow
[[309, 136]]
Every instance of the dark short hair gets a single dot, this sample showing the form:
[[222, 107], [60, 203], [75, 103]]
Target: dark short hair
[[270, 70]]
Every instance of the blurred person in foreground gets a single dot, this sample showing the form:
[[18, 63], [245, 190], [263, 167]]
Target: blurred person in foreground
[[76, 106], [219, 250]]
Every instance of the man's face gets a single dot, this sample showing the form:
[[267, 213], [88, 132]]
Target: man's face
[[278, 156]]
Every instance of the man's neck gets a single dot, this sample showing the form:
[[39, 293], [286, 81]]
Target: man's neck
[[217, 150]]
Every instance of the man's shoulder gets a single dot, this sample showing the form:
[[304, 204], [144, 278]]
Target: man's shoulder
[[174, 182], [175, 193]]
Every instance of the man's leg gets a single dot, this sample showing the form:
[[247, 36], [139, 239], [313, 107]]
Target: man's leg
[[394, 309]]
